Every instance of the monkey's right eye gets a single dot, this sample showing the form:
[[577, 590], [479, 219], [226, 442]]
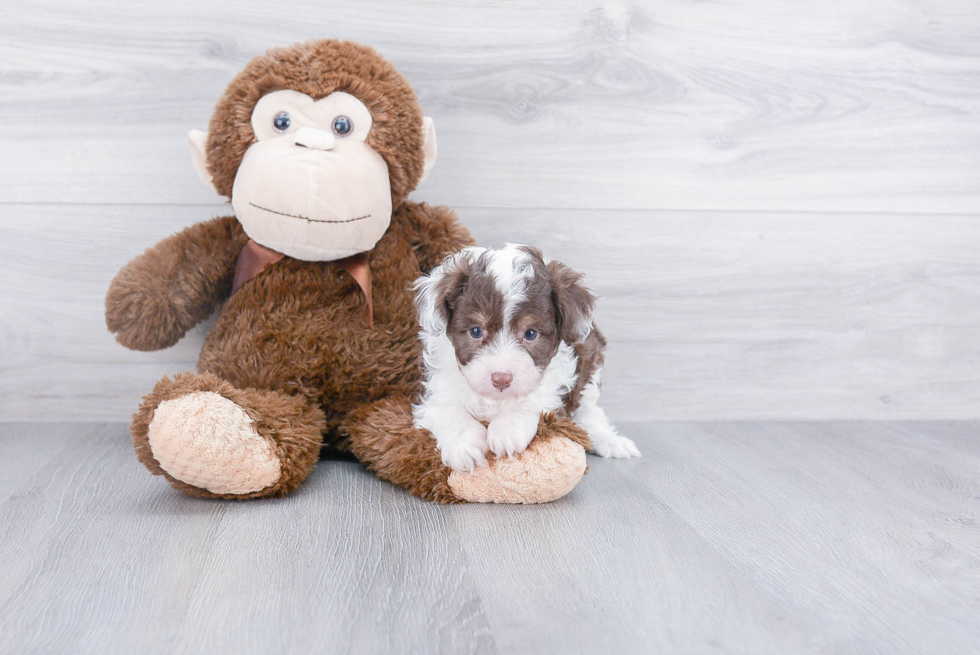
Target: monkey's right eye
[[282, 121], [476, 332]]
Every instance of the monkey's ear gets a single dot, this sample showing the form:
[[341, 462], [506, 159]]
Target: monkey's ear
[[198, 140], [429, 149]]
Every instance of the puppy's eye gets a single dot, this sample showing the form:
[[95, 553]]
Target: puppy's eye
[[531, 335], [282, 121], [342, 126], [476, 332]]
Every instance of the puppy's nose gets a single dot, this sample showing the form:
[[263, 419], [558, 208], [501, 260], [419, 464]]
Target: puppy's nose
[[501, 380], [310, 137]]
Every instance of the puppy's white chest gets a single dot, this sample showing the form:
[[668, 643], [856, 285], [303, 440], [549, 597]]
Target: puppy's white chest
[[484, 409]]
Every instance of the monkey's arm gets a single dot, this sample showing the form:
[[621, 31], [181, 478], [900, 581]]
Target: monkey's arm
[[434, 232], [157, 297]]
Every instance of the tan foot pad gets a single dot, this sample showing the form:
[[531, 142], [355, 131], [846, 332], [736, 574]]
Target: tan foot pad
[[208, 441], [544, 472]]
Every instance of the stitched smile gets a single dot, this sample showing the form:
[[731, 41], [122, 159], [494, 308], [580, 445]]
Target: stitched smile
[[311, 220]]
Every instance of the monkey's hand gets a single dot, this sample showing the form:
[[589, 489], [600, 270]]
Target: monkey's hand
[[433, 231], [160, 295]]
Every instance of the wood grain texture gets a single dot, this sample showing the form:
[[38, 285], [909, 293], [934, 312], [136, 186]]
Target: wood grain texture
[[746, 105], [710, 315], [98, 557], [731, 537], [639, 130]]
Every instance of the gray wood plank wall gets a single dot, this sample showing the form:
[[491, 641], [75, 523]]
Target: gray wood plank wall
[[778, 201]]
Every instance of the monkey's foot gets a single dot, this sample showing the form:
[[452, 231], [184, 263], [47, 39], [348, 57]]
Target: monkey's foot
[[546, 471], [383, 436], [212, 439], [209, 442]]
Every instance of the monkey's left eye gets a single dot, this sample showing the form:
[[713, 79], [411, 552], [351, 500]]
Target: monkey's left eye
[[282, 121], [342, 126], [530, 335]]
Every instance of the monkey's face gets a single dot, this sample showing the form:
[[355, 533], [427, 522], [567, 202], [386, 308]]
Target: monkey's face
[[315, 144], [310, 187]]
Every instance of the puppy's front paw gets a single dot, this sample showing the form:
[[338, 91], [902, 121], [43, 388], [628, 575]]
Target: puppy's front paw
[[466, 449], [509, 434], [613, 445]]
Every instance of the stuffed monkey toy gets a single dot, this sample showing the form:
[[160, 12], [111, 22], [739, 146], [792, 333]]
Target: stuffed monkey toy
[[315, 340]]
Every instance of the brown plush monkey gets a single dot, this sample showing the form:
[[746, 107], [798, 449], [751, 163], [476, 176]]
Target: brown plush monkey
[[315, 342]]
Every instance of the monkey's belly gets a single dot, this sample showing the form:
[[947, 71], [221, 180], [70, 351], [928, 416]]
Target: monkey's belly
[[323, 353]]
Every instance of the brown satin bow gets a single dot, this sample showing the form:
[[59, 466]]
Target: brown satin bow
[[255, 258]]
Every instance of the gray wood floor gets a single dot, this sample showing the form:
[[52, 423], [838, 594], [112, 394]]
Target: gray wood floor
[[726, 537]]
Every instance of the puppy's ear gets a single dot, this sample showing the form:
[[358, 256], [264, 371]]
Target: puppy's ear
[[574, 303], [437, 292]]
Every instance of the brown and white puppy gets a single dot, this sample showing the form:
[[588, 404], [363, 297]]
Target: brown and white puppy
[[508, 335]]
